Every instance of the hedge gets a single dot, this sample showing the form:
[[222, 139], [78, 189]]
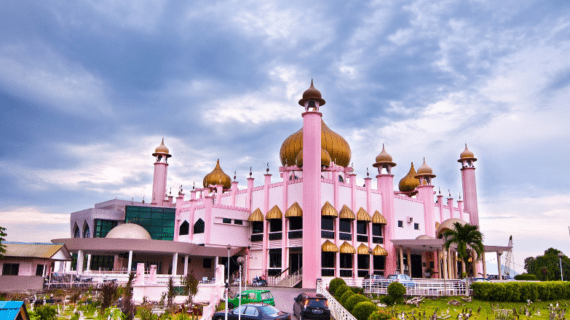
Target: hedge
[[353, 301], [340, 291], [347, 294], [521, 291], [363, 310], [525, 276], [335, 283]]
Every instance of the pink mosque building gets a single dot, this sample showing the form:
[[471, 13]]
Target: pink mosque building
[[313, 223]]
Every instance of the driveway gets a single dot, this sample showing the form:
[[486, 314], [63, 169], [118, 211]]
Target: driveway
[[283, 296]]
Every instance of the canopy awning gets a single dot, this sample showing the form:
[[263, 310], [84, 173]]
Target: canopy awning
[[363, 249], [347, 248], [379, 251], [294, 211], [346, 213], [329, 247], [255, 216], [328, 210], [274, 213], [378, 218], [362, 215]]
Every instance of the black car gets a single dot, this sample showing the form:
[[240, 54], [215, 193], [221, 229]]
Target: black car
[[311, 306], [257, 311]]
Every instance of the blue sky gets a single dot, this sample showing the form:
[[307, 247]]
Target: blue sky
[[88, 89]]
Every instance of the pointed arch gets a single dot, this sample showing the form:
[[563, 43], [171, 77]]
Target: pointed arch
[[184, 228], [86, 230], [199, 226], [76, 231]]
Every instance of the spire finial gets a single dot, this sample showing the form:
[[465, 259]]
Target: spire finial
[[250, 173], [267, 170], [367, 173], [235, 175], [449, 193]]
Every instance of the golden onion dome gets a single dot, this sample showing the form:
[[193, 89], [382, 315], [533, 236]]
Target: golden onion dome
[[384, 158], [217, 177], [325, 158], [467, 155], [409, 182], [312, 94], [425, 170], [333, 143], [161, 150]]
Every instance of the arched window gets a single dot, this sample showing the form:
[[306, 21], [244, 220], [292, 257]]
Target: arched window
[[199, 226], [76, 232], [86, 231], [184, 228], [340, 179]]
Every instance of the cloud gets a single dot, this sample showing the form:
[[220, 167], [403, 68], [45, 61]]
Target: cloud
[[140, 15], [36, 72]]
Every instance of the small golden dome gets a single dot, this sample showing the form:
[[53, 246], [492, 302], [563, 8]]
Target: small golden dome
[[409, 182], [333, 143], [161, 150], [466, 155], [425, 170], [312, 93], [384, 158], [216, 177], [325, 158]]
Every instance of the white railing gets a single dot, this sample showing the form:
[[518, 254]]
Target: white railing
[[337, 310], [96, 280], [427, 287], [292, 279]]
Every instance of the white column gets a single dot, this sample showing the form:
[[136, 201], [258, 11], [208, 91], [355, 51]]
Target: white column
[[186, 265], [499, 265], [484, 265], [68, 266], [80, 258], [89, 262], [174, 263], [130, 264], [402, 260]]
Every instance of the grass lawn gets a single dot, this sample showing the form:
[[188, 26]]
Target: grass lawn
[[488, 309]]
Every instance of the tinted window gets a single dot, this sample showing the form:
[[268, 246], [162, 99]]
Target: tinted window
[[376, 229], [322, 303], [269, 310], [240, 309], [251, 311], [275, 225], [361, 227], [344, 225], [266, 295], [327, 223], [392, 277]]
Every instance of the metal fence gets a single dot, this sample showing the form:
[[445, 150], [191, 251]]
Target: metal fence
[[426, 287]]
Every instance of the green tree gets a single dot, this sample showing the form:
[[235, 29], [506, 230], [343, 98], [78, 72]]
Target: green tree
[[2, 239], [547, 266], [465, 237]]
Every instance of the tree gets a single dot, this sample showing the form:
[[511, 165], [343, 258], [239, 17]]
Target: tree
[[465, 237], [127, 305], [2, 239], [190, 286], [547, 266]]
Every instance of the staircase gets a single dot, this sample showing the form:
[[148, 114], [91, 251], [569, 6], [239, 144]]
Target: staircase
[[291, 280]]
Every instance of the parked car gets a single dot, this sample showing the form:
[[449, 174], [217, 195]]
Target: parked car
[[311, 306], [401, 278], [252, 296], [372, 278], [257, 311]]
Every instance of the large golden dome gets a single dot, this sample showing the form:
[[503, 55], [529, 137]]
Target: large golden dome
[[332, 142], [325, 158], [216, 177], [409, 182]]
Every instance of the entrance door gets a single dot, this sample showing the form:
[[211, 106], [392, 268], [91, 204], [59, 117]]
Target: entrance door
[[416, 266], [295, 262]]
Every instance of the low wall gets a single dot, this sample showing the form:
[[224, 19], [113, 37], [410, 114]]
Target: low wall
[[21, 283]]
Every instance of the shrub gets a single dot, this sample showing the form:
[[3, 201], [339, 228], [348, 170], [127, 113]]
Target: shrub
[[353, 300], [381, 314], [335, 283], [340, 291], [108, 295], [347, 294], [525, 276], [46, 312], [396, 292], [358, 290], [363, 310]]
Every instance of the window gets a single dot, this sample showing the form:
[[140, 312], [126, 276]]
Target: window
[[275, 225], [363, 261], [274, 258], [416, 226], [296, 223], [76, 232], [379, 262], [102, 227], [184, 228], [361, 227], [207, 263], [199, 226], [238, 222], [400, 224], [10, 269], [346, 261], [251, 311], [39, 270], [340, 179], [327, 259], [344, 225], [105, 262], [377, 229], [327, 223], [257, 227], [86, 232], [225, 220], [159, 222]]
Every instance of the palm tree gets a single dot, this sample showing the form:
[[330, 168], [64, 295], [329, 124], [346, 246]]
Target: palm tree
[[464, 236]]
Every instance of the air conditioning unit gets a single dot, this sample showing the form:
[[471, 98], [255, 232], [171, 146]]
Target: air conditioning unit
[[409, 219]]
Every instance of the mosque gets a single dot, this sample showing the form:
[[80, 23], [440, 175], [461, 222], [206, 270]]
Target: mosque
[[313, 223]]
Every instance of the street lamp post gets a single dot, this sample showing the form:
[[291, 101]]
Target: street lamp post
[[560, 255], [228, 282], [370, 276], [240, 261]]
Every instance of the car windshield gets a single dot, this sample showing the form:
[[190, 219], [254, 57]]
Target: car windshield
[[393, 276], [269, 310], [317, 303], [266, 295]]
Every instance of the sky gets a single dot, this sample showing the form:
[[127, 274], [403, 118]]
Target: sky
[[88, 89]]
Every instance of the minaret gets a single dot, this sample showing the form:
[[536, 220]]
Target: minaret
[[160, 172], [311, 101], [385, 184], [425, 194], [467, 160]]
